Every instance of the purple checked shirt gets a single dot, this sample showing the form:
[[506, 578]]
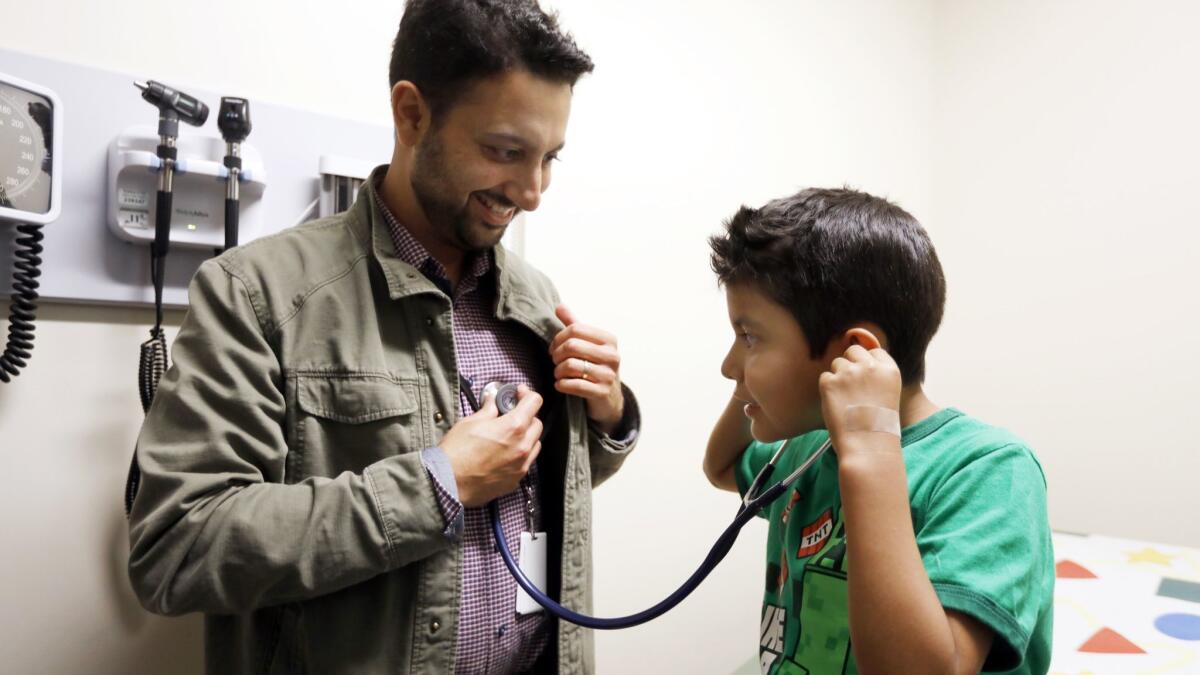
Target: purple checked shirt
[[492, 637]]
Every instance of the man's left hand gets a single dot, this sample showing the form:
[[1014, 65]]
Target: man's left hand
[[587, 364]]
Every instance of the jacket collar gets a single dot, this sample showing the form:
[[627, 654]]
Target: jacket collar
[[515, 298]]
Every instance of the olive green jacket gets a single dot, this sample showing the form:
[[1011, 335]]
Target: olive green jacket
[[283, 492]]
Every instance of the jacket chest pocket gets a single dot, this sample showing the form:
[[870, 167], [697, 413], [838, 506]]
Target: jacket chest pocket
[[348, 421]]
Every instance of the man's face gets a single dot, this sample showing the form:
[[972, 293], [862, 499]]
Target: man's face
[[771, 363], [488, 157]]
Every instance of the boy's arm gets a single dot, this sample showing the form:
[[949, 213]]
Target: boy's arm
[[897, 622], [728, 440]]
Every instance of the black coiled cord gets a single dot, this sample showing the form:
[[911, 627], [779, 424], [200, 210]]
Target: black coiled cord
[[153, 363], [23, 308]]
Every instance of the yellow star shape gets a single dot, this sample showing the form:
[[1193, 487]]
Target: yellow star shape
[[1149, 555]]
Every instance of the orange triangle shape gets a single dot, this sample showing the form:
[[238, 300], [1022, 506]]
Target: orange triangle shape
[[1109, 641], [1072, 570]]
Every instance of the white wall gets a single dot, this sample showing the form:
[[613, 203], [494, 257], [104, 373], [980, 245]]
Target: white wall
[[1045, 145], [694, 109], [1065, 212]]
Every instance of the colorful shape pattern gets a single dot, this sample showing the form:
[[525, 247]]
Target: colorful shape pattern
[[1179, 589], [1179, 626], [1150, 555], [1109, 641], [1067, 569]]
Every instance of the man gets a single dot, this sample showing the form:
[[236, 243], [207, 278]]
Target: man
[[305, 481]]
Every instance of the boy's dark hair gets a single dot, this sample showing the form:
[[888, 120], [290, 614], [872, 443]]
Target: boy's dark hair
[[444, 46], [834, 257]]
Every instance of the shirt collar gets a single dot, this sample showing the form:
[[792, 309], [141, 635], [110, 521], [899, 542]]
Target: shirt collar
[[414, 253]]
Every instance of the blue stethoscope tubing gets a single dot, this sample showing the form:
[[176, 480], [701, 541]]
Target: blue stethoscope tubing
[[752, 503]]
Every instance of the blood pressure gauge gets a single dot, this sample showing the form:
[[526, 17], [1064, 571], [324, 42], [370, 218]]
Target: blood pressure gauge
[[30, 157]]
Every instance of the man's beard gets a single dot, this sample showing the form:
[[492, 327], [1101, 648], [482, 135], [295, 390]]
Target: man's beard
[[448, 219]]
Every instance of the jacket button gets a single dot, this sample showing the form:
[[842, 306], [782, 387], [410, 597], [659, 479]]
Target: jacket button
[[428, 321], [435, 626], [438, 417]]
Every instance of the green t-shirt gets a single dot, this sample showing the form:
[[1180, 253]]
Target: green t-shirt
[[978, 500]]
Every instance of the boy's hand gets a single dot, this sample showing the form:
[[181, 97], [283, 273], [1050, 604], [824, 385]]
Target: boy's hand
[[587, 364], [859, 378]]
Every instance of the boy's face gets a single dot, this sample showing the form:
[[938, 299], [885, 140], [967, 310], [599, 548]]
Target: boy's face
[[772, 365]]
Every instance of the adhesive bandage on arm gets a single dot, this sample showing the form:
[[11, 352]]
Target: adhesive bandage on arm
[[873, 418]]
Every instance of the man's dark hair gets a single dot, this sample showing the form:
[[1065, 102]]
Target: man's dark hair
[[834, 257], [444, 46]]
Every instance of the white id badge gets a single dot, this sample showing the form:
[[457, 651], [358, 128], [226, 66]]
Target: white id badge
[[533, 564]]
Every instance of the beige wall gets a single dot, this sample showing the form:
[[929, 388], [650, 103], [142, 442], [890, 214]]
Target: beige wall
[[696, 108], [67, 425], [1047, 146], [1065, 176]]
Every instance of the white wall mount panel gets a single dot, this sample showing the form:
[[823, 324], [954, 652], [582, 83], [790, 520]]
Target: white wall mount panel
[[84, 261]]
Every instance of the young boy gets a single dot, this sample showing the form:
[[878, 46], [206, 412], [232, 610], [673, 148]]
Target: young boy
[[919, 544]]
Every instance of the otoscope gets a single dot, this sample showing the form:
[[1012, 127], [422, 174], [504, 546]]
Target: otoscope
[[173, 106], [234, 122]]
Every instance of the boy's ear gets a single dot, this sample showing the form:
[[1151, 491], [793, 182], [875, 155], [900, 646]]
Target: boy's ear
[[865, 334], [863, 337]]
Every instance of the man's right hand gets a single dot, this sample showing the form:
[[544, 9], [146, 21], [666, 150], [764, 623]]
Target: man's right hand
[[490, 453]]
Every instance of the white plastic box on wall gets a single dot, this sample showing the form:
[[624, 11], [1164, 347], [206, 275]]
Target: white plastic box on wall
[[198, 218]]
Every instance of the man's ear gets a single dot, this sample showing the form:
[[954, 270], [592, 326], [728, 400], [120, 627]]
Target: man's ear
[[410, 113]]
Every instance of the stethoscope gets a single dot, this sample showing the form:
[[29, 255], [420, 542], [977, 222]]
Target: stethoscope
[[752, 503]]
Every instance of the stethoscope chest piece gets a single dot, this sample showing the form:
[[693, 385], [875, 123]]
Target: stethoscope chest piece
[[506, 395]]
